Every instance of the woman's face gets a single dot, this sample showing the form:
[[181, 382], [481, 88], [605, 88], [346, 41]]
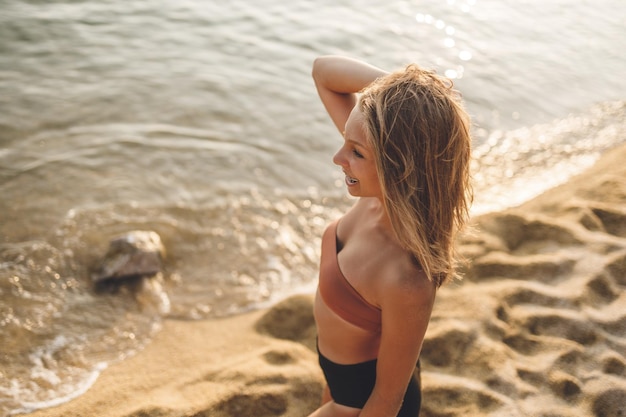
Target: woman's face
[[356, 158]]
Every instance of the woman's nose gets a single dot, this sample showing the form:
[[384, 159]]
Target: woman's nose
[[339, 158]]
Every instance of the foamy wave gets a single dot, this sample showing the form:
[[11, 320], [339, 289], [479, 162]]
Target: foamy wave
[[50, 383]]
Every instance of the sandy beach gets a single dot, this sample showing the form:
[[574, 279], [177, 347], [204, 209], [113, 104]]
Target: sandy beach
[[536, 328]]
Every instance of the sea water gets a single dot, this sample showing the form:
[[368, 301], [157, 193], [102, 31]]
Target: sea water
[[199, 120]]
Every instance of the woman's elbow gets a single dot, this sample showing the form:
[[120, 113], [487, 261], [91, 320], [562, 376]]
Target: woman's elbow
[[319, 67]]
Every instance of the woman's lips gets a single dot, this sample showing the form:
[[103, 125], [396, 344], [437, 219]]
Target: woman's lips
[[350, 180]]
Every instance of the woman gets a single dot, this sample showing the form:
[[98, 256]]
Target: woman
[[405, 155]]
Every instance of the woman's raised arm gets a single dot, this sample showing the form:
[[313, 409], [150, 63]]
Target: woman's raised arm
[[338, 79]]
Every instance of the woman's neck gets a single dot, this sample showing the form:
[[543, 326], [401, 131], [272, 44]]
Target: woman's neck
[[376, 215]]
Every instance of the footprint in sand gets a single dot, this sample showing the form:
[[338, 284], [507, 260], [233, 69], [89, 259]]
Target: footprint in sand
[[601, 290], [291, 319], [609, 403], [276, 357], [447, 345], [263, 404], [613, 219], [561, 324], [154, 412], [612, 363], [564, 385], [536, 294], [523, 234], [617, 268], [549, 268]]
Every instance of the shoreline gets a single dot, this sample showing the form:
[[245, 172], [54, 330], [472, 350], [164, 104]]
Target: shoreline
[[535, 328], [195, 367]]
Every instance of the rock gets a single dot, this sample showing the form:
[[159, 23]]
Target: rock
[[136, 254]]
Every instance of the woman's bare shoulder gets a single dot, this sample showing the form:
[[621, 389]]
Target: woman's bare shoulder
[[393, 271], [400, 270]]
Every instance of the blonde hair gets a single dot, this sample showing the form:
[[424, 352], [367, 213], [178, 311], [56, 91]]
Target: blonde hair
[[420, 134]]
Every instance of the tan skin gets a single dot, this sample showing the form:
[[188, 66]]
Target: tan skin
[[370, 258]]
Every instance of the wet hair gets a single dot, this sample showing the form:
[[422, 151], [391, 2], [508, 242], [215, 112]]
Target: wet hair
[[420, 134]]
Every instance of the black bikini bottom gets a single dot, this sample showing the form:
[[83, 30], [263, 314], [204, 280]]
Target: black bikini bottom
[[352, 385]]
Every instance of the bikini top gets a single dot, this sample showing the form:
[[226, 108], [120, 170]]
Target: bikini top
[[338, 294]]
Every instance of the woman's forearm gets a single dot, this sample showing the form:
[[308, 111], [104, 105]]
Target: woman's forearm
[[344, 75]]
